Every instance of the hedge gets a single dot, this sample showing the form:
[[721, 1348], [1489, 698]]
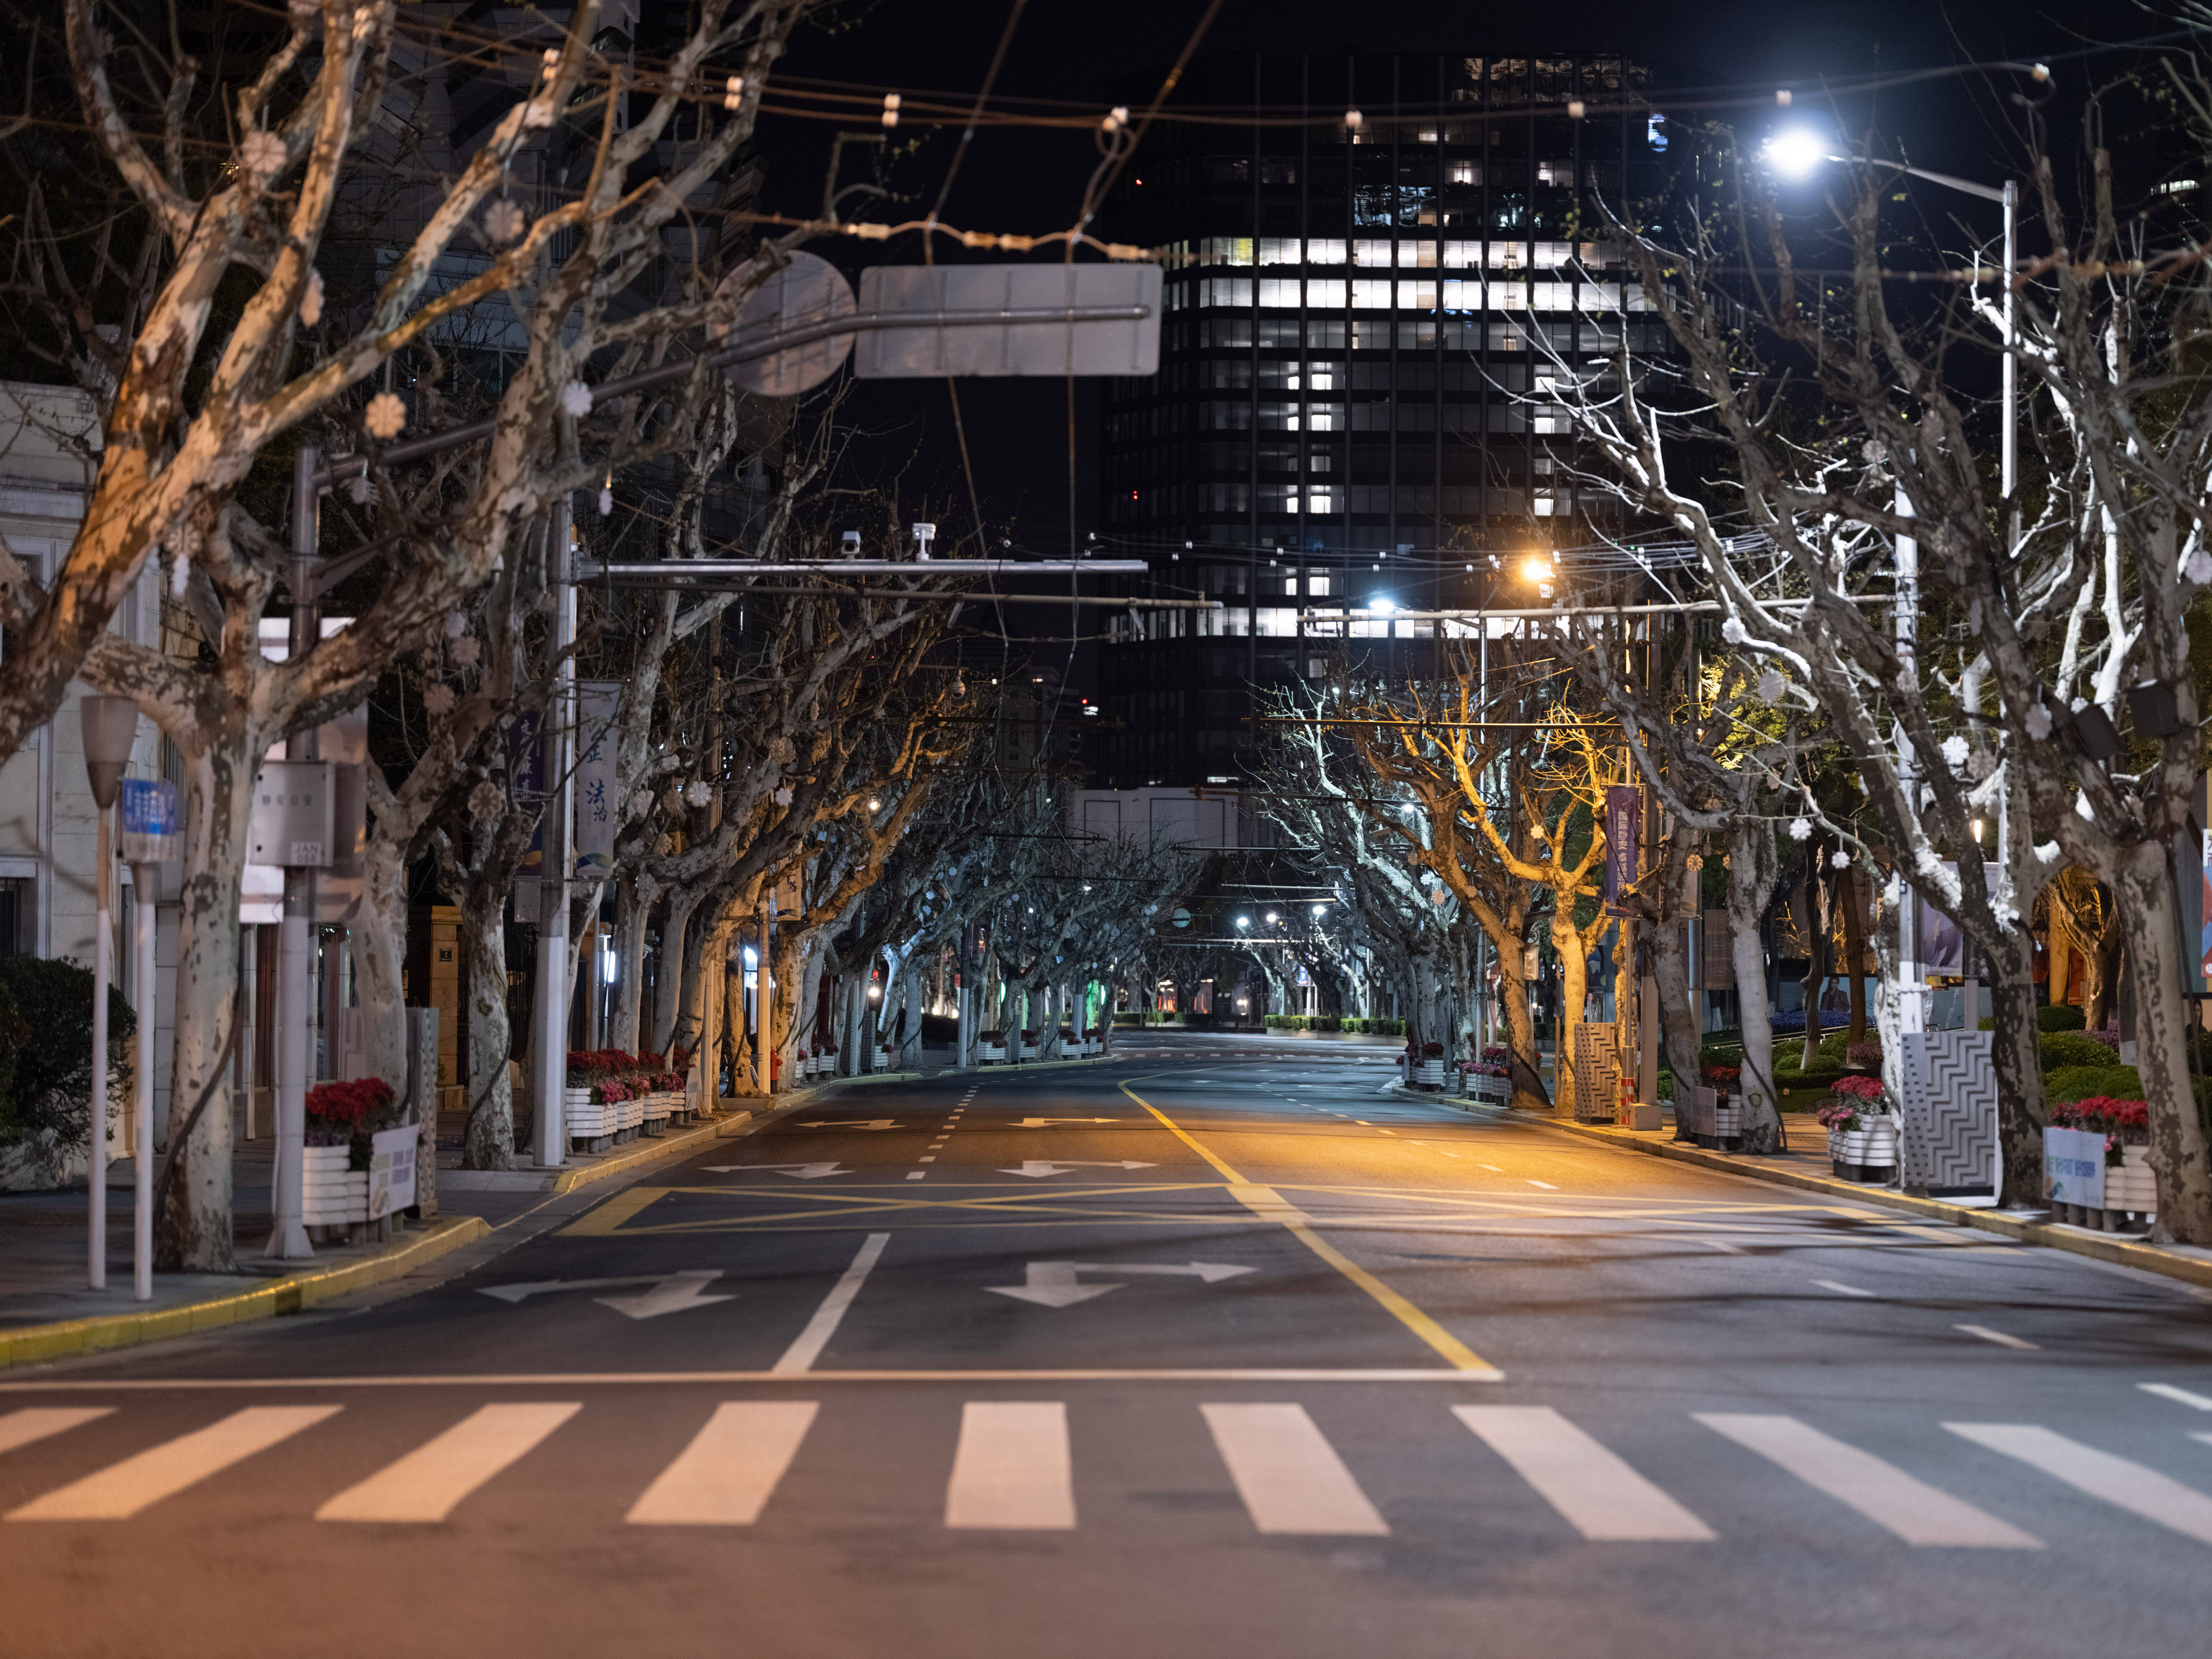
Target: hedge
[[2059, 1017]]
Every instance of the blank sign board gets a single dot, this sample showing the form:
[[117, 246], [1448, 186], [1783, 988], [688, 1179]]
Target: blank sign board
[[1032, 338]]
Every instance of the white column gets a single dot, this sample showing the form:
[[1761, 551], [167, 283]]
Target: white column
[[288, 1240], [103, 975], [146, 880], [548, 1013]]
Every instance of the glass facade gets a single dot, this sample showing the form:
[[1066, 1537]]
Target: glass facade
[[1360, 323]]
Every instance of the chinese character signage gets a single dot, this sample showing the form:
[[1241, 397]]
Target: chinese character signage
[[597, 811], [1624, 814]]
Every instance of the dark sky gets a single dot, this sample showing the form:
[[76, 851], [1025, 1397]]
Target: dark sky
[[1021, 180]]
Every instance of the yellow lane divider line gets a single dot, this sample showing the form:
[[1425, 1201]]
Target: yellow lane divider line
[[1271, 1206]]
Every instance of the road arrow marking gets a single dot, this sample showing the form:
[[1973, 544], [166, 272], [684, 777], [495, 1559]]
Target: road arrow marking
[[830, 1123], [1038, 1168], [1045, 1122], [670, 1293], [1052, 1284], [796, 1171]]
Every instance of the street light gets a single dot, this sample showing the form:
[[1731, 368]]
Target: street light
[[1320, 910], [1272, 918], [1795, 153], [111, 725], [1243, 921]]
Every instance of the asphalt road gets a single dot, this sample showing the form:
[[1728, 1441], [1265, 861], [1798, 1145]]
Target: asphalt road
[[1213, 1349]]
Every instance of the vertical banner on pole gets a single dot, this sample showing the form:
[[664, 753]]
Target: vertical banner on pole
[[1624, 819], [597, 702]]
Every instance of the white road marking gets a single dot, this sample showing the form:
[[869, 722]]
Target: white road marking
[[1595, 1490], [1493, 1168], [1916, 1511], [1841, 1289], [1721, 1245], [121, 1490], [1546, 1185], [2129, 1485], [726, 1476], [932, 1158], [807, 1346], [1013, 1469], [427, 1483], [37, 1422], [1290, 1477], [1997, 1337], [916, 1175], [2180, 1396]]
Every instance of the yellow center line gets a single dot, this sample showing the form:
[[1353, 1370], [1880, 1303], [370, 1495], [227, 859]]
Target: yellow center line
[[1264, 1202]]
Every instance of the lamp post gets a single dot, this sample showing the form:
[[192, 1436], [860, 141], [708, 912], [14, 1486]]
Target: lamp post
[[111, 725], [150, 838], [1796, 153]]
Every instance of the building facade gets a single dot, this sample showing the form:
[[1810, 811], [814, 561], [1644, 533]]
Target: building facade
[[1361, 321]]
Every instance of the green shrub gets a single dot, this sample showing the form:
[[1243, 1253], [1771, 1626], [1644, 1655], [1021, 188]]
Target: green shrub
[[2071, 1082], [2059, 1017], [48, 1048], [2064, 1048]]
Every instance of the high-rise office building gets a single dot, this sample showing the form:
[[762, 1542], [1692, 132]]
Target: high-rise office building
[[1362, 317]]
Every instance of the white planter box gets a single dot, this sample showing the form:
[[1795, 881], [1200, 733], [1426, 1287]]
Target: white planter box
[[1430, 1074], [582, 1118], [881, 1062], [1873, 1146], [1490, 1091], [332, 1196], [2129, 1184], [656, 1107], [990, 1053], [1728, 1120]]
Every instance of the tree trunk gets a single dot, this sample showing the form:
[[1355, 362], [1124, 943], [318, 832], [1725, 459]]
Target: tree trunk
[[193, 1232], [2016, 1048], [1678, 1021], [488, 1142], [380, 944], [1574, 991], [2142, 895], [1528, 1093], [679, 962], [631, 911], [1752, 878]]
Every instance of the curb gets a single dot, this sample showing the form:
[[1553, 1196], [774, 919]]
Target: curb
[[289, 1295], [567, 1179], [2051, 1235]]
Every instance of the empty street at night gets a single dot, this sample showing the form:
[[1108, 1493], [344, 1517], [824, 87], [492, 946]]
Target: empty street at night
[[1220, 1347]]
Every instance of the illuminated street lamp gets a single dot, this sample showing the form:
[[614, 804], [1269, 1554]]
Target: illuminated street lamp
[[1243, 921]]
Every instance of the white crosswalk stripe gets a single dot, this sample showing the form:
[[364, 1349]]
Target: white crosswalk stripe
[[427, 1483], [727, 1474], [37, 1422], [1012, 1470], [1885, 1494], [1290, 1477], [120, 1491], [2116, 1480], [1597, 1492]]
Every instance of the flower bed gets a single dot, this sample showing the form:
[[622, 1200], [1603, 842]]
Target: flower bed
[[610, 1096], [341, 1118], [2127, 1194], [1862, 1135]]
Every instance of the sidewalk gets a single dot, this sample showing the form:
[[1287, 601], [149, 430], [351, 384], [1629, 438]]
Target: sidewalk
[[1810, 1171], [46, 1311]]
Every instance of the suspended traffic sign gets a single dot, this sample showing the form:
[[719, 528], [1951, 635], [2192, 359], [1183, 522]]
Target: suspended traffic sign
[[1010, 319], [804, 295]]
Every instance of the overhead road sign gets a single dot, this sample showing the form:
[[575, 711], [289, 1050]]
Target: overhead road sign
[[1058, 319], [1022, 326]]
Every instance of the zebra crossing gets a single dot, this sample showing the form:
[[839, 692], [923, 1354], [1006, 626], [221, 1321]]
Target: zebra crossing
[[1013, 1470]]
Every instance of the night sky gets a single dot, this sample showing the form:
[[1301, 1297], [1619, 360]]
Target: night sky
[[1031, 181]]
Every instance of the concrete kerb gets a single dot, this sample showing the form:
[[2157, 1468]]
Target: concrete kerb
[[2166, 1262], [266, 1299]]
